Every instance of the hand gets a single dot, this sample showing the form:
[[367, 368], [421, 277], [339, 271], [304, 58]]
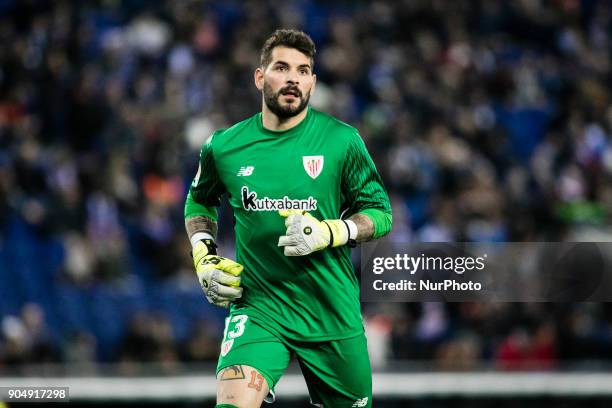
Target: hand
[[305, 234], [218, 276]]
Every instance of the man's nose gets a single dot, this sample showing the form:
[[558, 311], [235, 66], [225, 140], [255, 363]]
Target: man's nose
[[292, 78]]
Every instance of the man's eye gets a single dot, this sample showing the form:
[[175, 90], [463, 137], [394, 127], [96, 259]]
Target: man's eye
[[281, 68]]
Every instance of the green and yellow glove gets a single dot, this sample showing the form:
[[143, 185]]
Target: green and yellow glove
[[218, 276], [305, 234]]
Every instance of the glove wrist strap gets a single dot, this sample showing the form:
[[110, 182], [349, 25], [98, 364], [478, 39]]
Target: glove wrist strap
[[339, 232], [200, 236], [352, 229], [211, 249]]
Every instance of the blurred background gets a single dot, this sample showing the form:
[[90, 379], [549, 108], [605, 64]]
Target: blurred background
[[488, 120]]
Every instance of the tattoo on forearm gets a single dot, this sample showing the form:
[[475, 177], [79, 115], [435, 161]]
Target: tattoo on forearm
[[234, 372], [365, 227], [201, 224]]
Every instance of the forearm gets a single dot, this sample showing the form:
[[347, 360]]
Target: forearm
[[365, 227], [218, 276], [200, 224], [372, 223]]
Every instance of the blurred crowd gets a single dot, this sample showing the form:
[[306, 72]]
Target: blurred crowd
[[488, 120]]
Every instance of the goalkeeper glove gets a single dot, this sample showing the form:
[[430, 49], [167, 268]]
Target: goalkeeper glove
[[305, 234], [218, 276]]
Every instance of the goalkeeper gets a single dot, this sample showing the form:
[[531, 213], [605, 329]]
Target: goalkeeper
[[303, 189]]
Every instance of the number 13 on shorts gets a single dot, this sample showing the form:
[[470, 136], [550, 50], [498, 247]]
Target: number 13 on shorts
[[234, 327]]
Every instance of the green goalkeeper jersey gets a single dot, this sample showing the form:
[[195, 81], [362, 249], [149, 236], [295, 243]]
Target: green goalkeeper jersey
[[321, 166]]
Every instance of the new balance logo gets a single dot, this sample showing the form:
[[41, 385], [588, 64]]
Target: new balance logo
[[362, 402], [245, 171]]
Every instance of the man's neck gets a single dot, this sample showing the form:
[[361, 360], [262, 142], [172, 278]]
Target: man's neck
[[272, 122]]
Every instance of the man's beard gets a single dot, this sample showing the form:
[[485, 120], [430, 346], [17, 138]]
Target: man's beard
[[284, 112]]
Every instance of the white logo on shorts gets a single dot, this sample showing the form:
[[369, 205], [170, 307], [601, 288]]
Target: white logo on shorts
[[226, 346], [362, 402]]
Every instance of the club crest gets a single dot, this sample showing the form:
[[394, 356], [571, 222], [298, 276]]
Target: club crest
[[313, 165]]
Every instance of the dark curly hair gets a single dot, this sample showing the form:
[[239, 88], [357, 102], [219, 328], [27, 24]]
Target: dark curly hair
[[288, 38]]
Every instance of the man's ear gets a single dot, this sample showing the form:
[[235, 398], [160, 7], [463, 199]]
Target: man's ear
[[314, 84], [258, 77]]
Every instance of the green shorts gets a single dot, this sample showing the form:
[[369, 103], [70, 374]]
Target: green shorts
[[337, 372]]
